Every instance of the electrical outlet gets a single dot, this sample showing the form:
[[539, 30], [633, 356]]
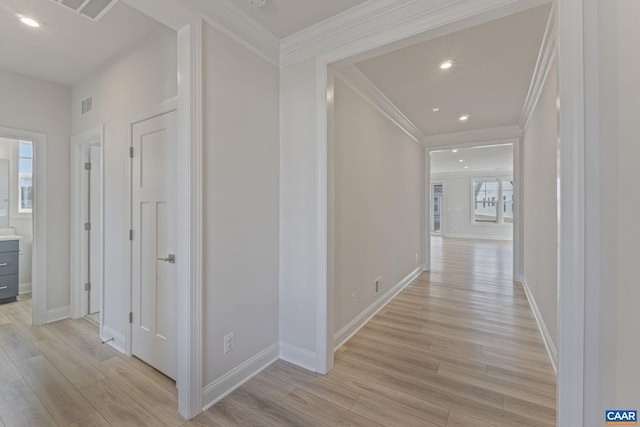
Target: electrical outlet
[[353, 298], [377, 285], [416, 257], [229, 342]]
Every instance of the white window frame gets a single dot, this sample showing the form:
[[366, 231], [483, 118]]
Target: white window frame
[[499, 201], [15, 196]]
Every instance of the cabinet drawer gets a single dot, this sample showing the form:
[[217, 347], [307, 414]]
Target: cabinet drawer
[[8, 263], [8, 286], [8, 245]]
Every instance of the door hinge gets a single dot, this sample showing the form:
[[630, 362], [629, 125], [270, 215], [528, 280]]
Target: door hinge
[[131, 152], [130, 234], [87, 166], [87, 226], [87, 286], [130, 317]]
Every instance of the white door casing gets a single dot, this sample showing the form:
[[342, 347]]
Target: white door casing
[[154, 226], [95, 218]]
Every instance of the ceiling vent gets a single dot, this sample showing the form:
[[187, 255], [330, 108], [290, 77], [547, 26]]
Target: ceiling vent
[[92, 9]]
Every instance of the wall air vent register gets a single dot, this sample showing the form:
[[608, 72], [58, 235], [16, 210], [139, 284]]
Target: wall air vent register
[[92, 9]]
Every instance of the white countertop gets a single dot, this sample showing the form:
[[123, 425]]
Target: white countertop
[[10, 237]]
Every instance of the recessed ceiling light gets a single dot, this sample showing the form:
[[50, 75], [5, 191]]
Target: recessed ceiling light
[[454, 151], [435, 109], [446, 65], [466, 167], [461, 160], [464, 118], [29, 21]]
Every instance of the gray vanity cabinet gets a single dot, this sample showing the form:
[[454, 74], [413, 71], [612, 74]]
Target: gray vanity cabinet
[[9, 259]]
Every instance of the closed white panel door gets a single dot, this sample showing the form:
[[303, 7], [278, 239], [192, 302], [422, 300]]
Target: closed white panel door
[[153, 255]]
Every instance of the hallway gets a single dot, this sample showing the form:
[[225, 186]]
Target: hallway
[[459, 347]]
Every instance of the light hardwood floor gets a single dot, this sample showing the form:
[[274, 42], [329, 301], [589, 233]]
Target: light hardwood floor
[[459, 347]]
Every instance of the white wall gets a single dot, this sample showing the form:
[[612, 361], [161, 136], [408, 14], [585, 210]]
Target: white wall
[[39, 106], [457, 209], [128, 85], [378, 206], [540, 207], [612, 371], [298, 216], [241, 153]]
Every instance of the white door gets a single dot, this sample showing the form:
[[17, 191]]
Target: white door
[[153, 247], [95, 237]]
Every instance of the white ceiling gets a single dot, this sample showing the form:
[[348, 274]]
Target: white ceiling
[[67, 46], [479, 159], [285, 17], [493, 67]]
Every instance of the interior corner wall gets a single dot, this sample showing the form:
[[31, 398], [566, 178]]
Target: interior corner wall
[[540, 203], [40, 106], [241, 180], [125, 87], [378, 204]]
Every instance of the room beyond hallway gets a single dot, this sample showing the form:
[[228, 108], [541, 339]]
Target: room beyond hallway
[[458, 347]]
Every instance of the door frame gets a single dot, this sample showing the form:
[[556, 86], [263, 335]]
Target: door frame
[[39, 220], [571, 217], [189, 28], [78, 144]]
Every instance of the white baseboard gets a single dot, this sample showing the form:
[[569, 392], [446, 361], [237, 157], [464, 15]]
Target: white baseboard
[[119, 341], [544, 331], [360, 320], [24, 288], [301, 357], [476, 237], [56, 314], [220, 388]]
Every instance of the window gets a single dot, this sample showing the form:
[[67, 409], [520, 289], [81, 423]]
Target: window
[[493, 200], [25, 177]]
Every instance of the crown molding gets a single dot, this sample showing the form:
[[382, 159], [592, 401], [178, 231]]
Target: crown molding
[[373, 21], [357, 81], [496, 135], [229, 19], [546, 56]]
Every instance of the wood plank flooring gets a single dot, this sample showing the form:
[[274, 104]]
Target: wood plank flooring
[[61, 375], [459, 347]]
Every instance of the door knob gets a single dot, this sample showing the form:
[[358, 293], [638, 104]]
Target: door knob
[[171, 259]]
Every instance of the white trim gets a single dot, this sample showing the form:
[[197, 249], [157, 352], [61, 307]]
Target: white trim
[[552, 352], [546, 56], [79, 142], [56, 314], [298, 356], [477, 237], [351, 328], [189, 27], [473, 174], [24, 288], [357, 81], [376, 23], [113, 338], [223, 386], [480, 137], [39, 274], [572, 211]]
